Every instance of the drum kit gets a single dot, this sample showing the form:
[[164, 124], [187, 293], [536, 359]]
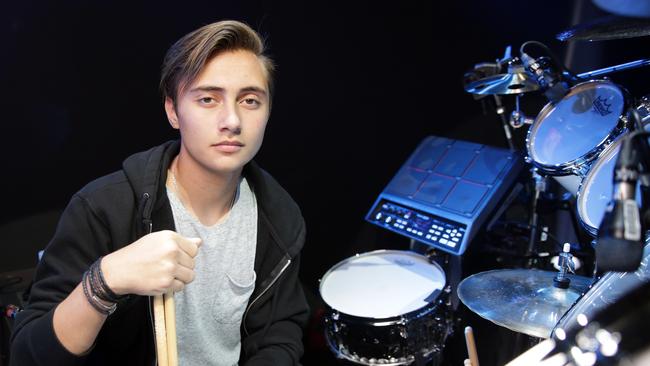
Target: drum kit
[[575, 139], [391, 307]]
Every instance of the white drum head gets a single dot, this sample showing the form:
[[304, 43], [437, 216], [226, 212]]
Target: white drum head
[[596, 190], [577, 125], [381, 284]]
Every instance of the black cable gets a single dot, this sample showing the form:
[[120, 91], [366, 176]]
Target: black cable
[[550, 53]]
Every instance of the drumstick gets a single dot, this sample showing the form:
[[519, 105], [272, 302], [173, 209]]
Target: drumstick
[[170, 326], [471, 346], [159, 330]]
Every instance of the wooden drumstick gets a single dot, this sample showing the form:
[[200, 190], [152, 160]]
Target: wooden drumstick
[[170, 325], [159, 330], [471, 346]]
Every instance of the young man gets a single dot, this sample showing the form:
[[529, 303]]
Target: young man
[[196, 216]]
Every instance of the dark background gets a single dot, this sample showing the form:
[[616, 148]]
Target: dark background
[[359, 84]]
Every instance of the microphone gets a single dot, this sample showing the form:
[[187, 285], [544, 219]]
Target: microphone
[[550, 83], [619, 246]]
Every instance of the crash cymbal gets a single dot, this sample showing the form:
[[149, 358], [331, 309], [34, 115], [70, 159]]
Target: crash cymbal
[[516, 81], [522, 300], [607, 28]]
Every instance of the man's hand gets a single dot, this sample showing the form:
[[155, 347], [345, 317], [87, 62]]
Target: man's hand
[[153, 265]]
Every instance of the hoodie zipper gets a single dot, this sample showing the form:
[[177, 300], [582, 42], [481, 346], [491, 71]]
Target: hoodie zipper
[[148, 224], [288, 262]]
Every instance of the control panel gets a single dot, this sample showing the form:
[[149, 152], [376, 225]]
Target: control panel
[[419, 225]]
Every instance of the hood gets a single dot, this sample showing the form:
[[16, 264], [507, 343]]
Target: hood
[[146, 172]]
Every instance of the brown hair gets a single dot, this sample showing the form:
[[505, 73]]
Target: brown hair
[[187, 57]]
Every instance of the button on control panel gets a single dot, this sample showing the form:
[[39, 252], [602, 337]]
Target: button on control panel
[[419, 225]]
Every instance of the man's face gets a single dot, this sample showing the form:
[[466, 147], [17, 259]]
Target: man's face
[[223, 113]]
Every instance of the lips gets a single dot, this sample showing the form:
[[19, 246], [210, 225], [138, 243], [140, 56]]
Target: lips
[[229, 146]]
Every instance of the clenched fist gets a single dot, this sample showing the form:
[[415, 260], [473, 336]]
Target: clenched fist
[[153, 265]]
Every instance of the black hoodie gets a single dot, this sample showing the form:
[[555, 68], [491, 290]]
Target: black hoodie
[[114, 211]]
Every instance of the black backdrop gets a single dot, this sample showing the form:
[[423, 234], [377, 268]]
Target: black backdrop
[[359, 84]]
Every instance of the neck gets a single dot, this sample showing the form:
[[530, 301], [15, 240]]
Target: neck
[[207, 195]]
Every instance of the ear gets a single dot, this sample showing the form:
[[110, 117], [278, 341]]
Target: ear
[[170, 109]]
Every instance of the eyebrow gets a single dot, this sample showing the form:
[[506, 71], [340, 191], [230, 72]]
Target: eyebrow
[[247, 89]]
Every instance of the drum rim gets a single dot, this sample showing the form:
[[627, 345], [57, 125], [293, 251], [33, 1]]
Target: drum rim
[[391, 319], [580, 196], [573, 166], [597, 163]]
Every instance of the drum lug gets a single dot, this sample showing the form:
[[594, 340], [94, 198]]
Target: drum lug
[[582, 170]]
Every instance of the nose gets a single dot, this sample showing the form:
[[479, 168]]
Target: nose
[[230, 120]]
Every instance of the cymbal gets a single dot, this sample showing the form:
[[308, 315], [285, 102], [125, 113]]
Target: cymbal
[[516, 81], [607, 28], [522, 300]]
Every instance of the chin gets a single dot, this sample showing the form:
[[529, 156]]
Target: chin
[[227, 167]]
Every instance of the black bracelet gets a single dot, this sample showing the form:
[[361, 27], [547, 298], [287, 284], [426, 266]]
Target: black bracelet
[[95, 284], [112, 295], [92, 298], [95, 288]]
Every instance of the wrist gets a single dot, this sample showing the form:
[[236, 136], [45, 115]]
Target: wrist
[[110, 276]]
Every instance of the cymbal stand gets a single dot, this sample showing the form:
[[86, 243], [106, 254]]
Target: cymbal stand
[[517, 118], [612, 69], [539, 188], [504, 121]]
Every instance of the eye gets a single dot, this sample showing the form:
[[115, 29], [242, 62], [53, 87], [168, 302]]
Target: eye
[[206, 100], [251, 101]]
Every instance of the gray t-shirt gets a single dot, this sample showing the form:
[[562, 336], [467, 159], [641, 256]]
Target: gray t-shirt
[[209, 310]]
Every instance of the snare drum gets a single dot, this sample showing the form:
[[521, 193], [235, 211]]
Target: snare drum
[[386, 307], [566, 136]]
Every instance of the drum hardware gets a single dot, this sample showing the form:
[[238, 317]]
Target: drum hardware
[[527, 301], [552, 76], [516, 81], [539, 185], [517, 118], [504, 123], [612, 69], [487, 79]]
